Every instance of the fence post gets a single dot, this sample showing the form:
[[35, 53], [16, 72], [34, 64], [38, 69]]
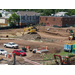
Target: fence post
[[14, 59]]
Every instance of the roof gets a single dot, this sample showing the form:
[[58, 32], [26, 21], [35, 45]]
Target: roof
[[29, 13], [2, 18], [60, 14]]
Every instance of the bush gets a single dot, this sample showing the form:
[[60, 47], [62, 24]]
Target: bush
[[12, 25]]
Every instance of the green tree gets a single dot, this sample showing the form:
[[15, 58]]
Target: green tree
[[0, 15], [47, 12], [13, 19]]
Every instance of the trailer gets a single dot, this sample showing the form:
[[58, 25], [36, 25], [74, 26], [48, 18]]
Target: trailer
[[39, 50]]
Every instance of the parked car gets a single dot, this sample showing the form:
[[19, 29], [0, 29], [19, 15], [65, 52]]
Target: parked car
[[3, 51], [19, 52], [11, 45]]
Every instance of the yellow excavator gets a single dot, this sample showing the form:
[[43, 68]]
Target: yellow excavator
[[30, 30]]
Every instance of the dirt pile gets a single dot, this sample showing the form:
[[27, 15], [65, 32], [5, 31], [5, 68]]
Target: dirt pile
[[31, 37], [72, 60]]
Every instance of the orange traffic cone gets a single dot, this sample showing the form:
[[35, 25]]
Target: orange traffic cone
[[46, 47], [60, 40], [27, 47], [8, 56]]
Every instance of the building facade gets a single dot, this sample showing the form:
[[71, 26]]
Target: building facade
[[3, 21], [59, 21], [28, 17]]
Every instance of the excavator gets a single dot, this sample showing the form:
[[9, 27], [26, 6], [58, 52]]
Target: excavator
[[63, 60], [70, 30], [72, 34], [30, 29]]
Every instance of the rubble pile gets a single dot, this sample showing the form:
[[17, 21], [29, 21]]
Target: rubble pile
[[31, 37]]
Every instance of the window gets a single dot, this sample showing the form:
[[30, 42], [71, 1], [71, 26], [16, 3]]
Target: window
[[30, 17], [2, 50], [61, 19], [53, 19], [69, 19], [46, 19], [65, 19]]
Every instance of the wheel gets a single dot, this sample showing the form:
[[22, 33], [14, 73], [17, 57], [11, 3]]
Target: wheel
[[0, 53], [20, 55], [5, 46], [13, 47]]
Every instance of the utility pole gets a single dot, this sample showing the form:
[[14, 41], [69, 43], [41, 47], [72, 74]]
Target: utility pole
[[14, 58]]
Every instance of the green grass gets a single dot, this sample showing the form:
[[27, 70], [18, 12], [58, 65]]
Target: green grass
[[51, 55]]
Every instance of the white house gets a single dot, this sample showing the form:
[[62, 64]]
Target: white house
[[60, 14]]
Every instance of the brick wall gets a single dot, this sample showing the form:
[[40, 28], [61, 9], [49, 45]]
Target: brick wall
[[57, 20]]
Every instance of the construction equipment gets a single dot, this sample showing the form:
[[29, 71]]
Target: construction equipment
[[71, 31], [72, 36], [31, 29], [63, 60]]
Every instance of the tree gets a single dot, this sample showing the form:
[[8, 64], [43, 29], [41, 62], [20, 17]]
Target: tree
[[47, 12], [0, 15], [13, 19]]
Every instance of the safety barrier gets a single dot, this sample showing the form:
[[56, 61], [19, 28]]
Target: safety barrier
[[27, 47]]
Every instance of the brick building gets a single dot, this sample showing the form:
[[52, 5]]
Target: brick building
[[59, 20]]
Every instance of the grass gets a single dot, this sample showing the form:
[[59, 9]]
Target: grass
[[50, 57]]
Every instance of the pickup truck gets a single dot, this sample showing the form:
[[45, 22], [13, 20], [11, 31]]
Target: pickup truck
[[11, 45]]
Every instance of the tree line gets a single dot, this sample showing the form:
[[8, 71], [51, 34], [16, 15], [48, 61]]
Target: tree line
[[46, 12]]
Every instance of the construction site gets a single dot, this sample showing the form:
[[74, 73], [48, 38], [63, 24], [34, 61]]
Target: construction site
[[50, 40]]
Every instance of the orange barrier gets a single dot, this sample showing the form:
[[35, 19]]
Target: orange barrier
[[46, 47]]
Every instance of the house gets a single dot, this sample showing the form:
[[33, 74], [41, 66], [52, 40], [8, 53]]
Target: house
[[3, 21], [28, 17], [60, 14], [59, 19]]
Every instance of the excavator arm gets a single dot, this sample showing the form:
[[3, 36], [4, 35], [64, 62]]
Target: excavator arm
[[56, 58], [24, 30]]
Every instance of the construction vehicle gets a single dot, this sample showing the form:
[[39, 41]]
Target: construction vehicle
[[71, 31], [63, 60], [72, 36], [30, 29]]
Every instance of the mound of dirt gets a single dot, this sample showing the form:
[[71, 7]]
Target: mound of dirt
[[31, 37], [72, 60]]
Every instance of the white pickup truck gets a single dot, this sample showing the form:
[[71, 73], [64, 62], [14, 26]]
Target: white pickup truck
[[11, 45]]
